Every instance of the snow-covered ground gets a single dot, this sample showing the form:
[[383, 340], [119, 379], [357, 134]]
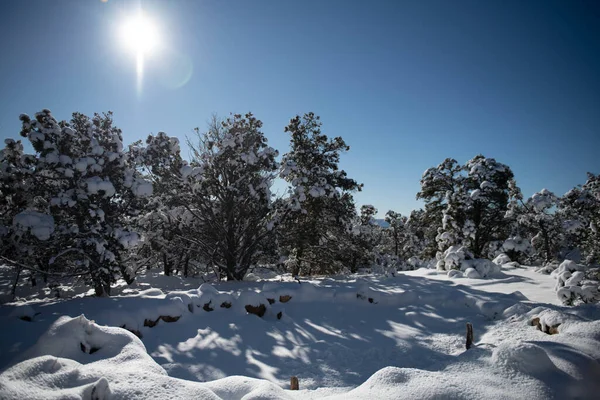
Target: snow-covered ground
[[534, 286], [344, 337]]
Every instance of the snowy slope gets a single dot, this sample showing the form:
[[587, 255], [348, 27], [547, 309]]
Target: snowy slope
[[407, 342]]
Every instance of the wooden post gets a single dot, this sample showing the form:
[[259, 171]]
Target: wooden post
[[294, 385], [469, 335]]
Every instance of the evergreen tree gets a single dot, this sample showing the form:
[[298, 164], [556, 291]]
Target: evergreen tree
[[230, 201], [468, 203], [85, 186], [320, 208], [580, 210]]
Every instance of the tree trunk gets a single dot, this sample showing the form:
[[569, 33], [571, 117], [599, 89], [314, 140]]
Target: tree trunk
[[43, 267], [167, 266], [100, 289], [13, 291], [186, 265], [101, 285], [546, 242], [299, 255]]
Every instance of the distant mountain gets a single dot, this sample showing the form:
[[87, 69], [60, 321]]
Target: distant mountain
[[382, 223]]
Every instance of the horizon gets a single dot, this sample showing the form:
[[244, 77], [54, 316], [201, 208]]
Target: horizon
[[512, 81]]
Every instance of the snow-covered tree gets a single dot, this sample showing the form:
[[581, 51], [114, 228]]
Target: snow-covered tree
[[442, 189], [491, 186], [468, 203], [164, 218], [537, 219], [395, 232], [418, 240], [580, 210], [85, 184], [230, 177], [366, 236], [320, 206]]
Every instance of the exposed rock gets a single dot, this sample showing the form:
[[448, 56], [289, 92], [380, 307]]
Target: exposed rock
[[285, 298], [260, 310], [207, 307], [225, 304], [167, 318], [271, 301], [279, 314], [549, 329], [151, 323], [91, 350], [134, 331]]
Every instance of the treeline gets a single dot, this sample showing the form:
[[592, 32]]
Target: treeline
[[84, 206]]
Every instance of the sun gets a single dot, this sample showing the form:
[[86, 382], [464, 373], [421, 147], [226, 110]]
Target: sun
[[140, 34]]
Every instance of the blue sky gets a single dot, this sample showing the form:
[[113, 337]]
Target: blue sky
[[405, 83]]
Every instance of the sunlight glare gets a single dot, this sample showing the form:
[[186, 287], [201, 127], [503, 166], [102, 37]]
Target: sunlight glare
[[140, 34]]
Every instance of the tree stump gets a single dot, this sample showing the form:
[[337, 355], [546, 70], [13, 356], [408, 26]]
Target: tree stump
[[469, 335], [294, 384]]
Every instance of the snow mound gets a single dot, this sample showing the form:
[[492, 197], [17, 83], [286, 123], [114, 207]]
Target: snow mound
[[460, 259], [76, 358], [526, 358], [210, 298], [454, 273], [23, 311], [501, 259]]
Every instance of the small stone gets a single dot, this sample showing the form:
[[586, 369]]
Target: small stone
[[285, 298], [168, 318], [150, 323]]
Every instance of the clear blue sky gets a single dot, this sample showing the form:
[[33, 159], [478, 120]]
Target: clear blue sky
[[405, 83]]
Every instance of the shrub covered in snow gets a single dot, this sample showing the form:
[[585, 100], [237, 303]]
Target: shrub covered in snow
[[577, 283], [460, 259], [501, 259], [517, 248]]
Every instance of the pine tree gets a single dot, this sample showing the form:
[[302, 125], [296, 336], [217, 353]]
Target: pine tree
[[84, 182], [320, 208], [164, 218], [537, 220], [230, 200]]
